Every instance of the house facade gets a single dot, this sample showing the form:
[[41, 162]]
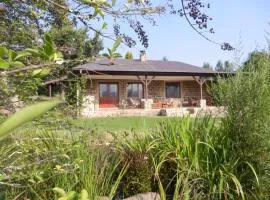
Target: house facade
[[144, 85]]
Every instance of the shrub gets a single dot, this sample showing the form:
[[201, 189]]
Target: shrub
[[246, 97]]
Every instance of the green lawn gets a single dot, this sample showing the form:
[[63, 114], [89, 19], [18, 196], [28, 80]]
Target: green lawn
[[120, 124]]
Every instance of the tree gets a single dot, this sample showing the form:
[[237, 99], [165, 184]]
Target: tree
[[44, 14], [70, 41], [228, 66], [129, 55], [255, 60], [48, 51], [165, 58], [219, 66], [207, 65], [93, 46]]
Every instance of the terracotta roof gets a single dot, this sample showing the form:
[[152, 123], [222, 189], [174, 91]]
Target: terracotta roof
[[149, 67]]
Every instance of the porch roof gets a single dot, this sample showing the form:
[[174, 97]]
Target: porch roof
[[147, 68]]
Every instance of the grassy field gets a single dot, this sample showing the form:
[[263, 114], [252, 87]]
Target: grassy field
[[120, 124]]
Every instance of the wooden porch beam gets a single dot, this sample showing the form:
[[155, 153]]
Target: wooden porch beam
[[146, 82], [200, 82]]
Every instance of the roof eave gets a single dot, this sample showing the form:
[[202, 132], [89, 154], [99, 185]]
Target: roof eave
[[149, 73]]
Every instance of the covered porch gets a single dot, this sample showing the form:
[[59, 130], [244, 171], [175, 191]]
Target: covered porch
[[145, 95]]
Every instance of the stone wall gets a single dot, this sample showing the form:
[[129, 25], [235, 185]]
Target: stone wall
[[192, 89]]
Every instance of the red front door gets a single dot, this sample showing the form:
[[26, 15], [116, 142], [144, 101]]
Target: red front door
[[108, 95]]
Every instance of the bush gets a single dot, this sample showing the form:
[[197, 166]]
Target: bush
[[247, 123]]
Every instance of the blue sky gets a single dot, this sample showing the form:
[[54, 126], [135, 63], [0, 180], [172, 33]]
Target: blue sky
[[232, 20]]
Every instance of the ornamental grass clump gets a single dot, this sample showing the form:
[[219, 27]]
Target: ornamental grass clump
[[200, 163], [31, 166]]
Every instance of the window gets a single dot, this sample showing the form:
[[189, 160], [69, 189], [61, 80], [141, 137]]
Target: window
[[172, 90], [135, 90]]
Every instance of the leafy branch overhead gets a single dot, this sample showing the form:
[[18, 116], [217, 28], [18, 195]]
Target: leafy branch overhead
[[49, 13], [48, 51], [10, 58]]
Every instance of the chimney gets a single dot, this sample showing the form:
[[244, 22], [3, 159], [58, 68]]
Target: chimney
[[143, 56]]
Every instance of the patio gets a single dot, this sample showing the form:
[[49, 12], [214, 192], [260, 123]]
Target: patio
[[170, 112]]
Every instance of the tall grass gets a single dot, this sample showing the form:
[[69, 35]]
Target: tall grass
[[31, 167], [197, 151], [186, 159]]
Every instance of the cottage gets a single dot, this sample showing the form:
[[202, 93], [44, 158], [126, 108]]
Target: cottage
[[144, 85]]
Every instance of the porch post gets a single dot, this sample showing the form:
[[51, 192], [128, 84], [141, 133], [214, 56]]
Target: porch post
[[201, 81], [146, 82], [201, 91], [146, 88]]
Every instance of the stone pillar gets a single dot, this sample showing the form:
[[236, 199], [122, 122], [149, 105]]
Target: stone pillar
[[203, 103], [147, 103], [88, 106]]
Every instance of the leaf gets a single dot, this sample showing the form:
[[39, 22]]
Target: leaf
[[3, 51], [116, 55], [3, 64], [36, 72], [25, 115], [48, 38], [22, 54], [84, 195], [106, 55], [110, 52], [71, 195], [104, 26], [33, 51], [100, 12], [11, 55], [59, 191], [116, 44], [17, 64], [48, 49]]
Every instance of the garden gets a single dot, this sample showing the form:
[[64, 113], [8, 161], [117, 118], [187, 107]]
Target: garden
[[47, 151]]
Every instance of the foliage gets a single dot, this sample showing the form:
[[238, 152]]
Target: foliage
[[198, 153], [76, 90], [10, 58], [207, 65], [46, 52], [112, 54], [69, 41], [93, 46], [25, 115], [74, 43], [129, 55], [71, 195], [246, 97], [165, 58], [256, 59], [135, 150], [48, 160], [224, 67]]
